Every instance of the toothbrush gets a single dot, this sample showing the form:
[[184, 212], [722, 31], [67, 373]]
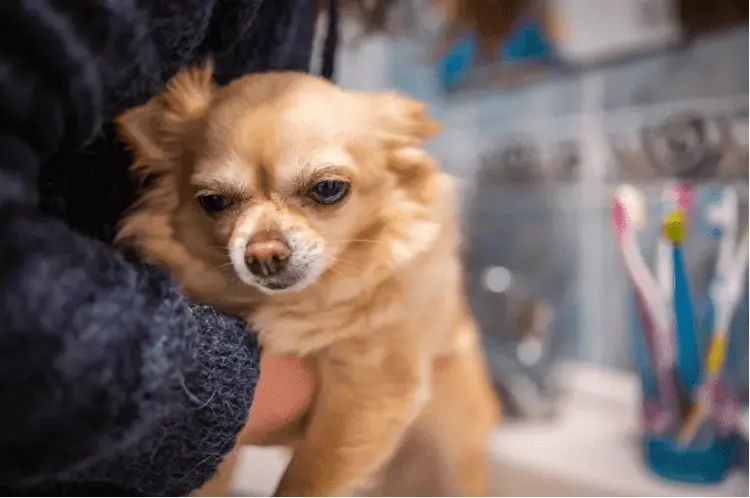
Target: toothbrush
[[723, 214], [658, 400], [726, 292], [627, 211], [626, 203], [634, 203], [688, 358], [676, 195]]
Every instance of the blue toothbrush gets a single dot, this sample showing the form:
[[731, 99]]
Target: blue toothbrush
[[688, 357]]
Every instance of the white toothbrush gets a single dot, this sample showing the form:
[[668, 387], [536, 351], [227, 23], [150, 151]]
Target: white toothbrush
[[723, 215], [725, 298], [725, 290], [628, 211], [634, 207]]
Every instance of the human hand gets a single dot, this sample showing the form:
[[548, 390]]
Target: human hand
[[284, 392]]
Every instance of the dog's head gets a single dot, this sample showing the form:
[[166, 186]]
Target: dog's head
[[277, 179]]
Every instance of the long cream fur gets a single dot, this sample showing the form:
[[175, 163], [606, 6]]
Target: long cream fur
[[384, 300]]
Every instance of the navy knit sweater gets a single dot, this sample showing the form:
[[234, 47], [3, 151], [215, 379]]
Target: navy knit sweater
[[111, 383]]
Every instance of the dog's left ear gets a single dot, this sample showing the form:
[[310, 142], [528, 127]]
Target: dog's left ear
[[156, 130], [401, 121]]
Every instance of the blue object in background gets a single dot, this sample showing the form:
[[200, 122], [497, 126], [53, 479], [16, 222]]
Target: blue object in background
[[688, 358], [706, 464], [453, 66], [649, 383], [528, 43]]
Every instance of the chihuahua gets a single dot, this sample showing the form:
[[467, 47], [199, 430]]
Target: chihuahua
[[315, 214]]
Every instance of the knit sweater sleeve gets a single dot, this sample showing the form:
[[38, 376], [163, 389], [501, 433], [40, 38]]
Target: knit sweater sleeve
[[107, 373]]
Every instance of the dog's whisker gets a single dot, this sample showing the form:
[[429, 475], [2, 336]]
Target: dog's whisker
[[348, 263], [365, 241], [337, 272]]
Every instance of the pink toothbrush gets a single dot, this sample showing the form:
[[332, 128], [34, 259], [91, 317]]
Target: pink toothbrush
[[627, 210]]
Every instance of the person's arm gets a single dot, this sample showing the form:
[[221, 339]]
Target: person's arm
[[95, 352]]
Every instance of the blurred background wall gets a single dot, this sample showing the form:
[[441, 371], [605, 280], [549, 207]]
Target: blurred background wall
[[552, 225]]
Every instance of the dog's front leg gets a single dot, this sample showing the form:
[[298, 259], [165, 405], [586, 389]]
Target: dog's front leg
[[369, 395]]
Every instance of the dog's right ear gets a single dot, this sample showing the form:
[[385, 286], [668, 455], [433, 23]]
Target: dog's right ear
[[400, 121], [156, 130]]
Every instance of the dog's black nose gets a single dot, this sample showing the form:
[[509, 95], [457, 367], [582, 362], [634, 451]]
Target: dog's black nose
[[267, 254]]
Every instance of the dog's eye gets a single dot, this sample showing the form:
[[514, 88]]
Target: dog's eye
[[213, 203], [329, 191]]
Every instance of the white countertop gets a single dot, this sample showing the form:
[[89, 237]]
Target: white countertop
[[591, 449]]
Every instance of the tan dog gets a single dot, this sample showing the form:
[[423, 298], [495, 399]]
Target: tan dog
[[315, 214]]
